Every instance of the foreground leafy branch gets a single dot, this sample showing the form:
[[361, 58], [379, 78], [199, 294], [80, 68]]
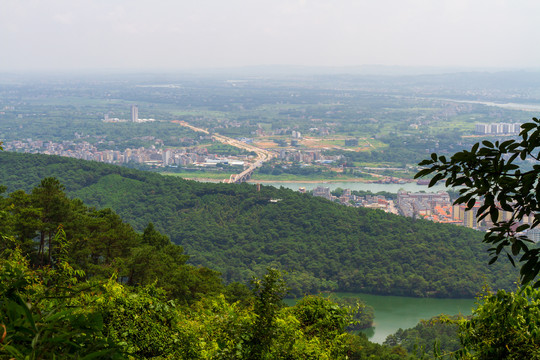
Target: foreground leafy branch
[[489, 172]]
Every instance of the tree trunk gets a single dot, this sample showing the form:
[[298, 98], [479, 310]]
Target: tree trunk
[[41, 247]]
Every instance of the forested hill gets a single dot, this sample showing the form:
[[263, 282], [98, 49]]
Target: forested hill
[[240, 232]]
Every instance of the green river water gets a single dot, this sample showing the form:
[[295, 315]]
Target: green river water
[[394, 312]]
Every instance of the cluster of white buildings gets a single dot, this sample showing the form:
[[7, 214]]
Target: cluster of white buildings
[[414, 204], [347, 198], [438, 207], [306, 156], [134, 117], [498, 129]]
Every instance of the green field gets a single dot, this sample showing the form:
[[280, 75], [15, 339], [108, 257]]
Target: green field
[[199, 175], [206, 113]]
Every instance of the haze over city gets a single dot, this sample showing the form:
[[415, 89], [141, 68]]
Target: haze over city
[[169, 35]]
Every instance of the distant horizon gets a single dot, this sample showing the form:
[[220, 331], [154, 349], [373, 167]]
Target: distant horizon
[[142, 35], [279, 69]]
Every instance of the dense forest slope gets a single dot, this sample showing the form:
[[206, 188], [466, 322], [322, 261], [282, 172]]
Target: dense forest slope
[[238, 231]]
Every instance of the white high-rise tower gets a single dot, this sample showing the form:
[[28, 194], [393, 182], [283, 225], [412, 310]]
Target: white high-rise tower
[[134, 113]]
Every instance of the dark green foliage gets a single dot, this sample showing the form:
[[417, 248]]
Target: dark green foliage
[[143, 321], [59, 311], [51, 201], [437, 334], [48, 314], [322, 317], [238, 292], [489, 172], [237, 231], [359, 348], [101, 244], [154, 238], [362, 314], [100, 240], [504, 325], [36, 322], [269, 292]]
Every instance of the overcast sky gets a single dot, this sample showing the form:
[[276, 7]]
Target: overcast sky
[[184, 34]]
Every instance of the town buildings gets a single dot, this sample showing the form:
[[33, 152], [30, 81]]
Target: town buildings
[[497, 129], [152, 156], [349, 199], [323, 192], [421, 204], [438, 207]]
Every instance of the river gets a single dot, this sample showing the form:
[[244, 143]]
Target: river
[[394, 312], [511, 106], [373, 187]]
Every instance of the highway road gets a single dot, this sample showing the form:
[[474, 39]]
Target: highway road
[[262, 154]]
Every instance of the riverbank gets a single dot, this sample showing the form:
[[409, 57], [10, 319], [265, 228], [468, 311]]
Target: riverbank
[[252, 181], [321, 181], [272, 181], [295, 181], [352, 184]]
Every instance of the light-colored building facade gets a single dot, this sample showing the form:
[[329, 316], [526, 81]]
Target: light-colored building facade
[[134, 113]]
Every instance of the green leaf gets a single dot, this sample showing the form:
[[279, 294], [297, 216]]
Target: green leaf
[[425, 162], [435, 179], [13, 351], [27, 312], [488, 144], [505, 206], [516, 248], [96, 355], [511, 260], [423, 173], [494, 214], [528, 126]]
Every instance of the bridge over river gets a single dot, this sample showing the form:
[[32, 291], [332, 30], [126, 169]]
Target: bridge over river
[[262, 154]]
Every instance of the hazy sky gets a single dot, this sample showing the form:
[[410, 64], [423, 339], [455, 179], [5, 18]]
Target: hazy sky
[[180, 34]]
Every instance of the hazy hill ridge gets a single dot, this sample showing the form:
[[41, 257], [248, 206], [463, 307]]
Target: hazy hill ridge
[[239, 231]]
